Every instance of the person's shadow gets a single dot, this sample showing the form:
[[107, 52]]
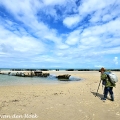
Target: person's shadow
[[98, 95]]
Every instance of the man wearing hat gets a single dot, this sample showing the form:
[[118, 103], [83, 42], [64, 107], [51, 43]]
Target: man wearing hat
[[108, 85]]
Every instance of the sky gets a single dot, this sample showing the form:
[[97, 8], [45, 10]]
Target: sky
[[60, 34]]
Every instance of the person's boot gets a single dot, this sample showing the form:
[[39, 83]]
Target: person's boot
[[103, 98], [112, 97]]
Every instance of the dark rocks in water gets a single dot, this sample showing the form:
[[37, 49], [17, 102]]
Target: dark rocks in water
[[45, 74], [63, 77], [37, 73], [27, 74], [40, 74], [30, 74]]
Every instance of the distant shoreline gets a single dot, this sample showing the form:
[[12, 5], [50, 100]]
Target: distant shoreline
[[54, 69]]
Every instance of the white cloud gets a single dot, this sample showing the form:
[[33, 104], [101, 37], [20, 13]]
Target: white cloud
[[90, 41], [71, 21], [9, 40], [89, 6], [115, 60], [107, 17], [20, 9], [103, 32], [26, 13], [77, 34], [54, 2], [102, 10], [73, 38]]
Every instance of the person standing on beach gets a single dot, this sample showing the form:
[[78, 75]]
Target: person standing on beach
[[108, 85]]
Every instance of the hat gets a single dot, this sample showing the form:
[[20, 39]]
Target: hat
[[102, 69]]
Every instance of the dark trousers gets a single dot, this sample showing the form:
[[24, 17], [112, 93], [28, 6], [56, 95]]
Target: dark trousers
[[108, 90]]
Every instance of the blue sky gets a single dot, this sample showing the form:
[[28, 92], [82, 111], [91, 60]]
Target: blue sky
[[59, 33]]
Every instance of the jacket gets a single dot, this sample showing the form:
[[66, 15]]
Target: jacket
[[107, 81]]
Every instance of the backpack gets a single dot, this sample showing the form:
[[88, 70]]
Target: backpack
[[112, 77]]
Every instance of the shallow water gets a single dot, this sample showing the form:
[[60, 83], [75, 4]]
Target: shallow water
[[7, 80]]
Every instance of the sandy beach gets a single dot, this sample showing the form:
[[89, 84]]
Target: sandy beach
[[68, 101]]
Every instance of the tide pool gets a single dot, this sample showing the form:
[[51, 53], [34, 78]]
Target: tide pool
[[7, 80]]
